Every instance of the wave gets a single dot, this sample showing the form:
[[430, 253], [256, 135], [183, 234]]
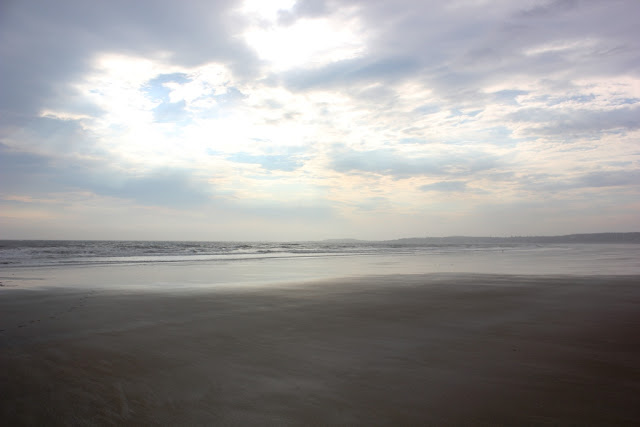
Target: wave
[[14, 253]]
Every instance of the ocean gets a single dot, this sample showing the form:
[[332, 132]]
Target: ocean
[[210, 263]]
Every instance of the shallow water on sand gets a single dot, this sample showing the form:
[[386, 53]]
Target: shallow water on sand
[[271, 341]]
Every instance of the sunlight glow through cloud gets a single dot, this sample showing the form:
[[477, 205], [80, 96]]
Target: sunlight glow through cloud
[[265, 10], [306, 43]]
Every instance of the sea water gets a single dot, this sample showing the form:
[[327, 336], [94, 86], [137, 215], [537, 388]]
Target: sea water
[[174, 264]]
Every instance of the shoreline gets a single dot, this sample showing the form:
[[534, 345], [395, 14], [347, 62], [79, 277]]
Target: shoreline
[[390, 349]]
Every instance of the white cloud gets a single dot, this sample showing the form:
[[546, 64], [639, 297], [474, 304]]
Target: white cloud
[[561, 47]]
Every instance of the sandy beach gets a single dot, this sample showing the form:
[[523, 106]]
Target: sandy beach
[[435, 349]]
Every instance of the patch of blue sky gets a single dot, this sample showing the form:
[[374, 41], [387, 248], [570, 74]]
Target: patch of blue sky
[[583, 98], [283, 163], [231, 96], [580, 99], [118, 128], [290, 151], [499, 135], [427, 109], [626, 101], [155, 88], [265, 176], [172, 112], [455, 112], [412, 141]]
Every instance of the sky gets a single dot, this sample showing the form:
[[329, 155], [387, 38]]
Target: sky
[[315, 119]]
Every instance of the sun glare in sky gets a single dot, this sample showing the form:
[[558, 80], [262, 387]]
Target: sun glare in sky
[[306, 43]]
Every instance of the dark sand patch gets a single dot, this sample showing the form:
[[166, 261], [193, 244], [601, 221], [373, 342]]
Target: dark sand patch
[[385, 350]]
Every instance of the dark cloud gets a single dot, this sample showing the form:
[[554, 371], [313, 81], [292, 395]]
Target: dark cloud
[[22, 172], [572, 123], [39, 175], [54, 140]]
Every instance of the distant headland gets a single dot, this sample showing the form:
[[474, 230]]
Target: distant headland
[[632, 237]]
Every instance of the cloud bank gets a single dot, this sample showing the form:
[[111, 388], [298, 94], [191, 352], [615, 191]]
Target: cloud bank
[[315, 119]]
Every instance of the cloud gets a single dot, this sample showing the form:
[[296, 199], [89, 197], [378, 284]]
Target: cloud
[[47, 46], [344, 110], [446, 186], [304, 9], [282, 212], [371, 204], [450, 50], [614, 178], [158, 87], [25, 173], [349, 72], [169, 188], [171, 112], [629, 178], [573, 123], [49, 135], [21, 172], [393, 163]]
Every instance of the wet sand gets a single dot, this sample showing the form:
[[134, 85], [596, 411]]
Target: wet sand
[[439, 349]]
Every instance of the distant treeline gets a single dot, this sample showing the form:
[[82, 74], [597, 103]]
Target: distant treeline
[[570, 238]]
